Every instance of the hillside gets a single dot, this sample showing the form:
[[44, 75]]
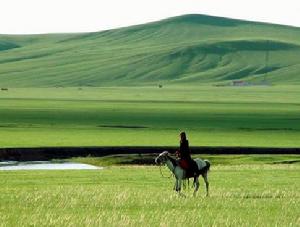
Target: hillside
[[189, 49]]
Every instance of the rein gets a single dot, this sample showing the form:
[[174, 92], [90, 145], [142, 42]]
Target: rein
[[163, 176]]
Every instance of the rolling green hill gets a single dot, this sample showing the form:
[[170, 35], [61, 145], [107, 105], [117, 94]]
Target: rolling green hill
[[189, 49]]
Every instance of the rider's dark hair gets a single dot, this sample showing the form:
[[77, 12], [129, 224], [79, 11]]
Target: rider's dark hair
[[182, 137]]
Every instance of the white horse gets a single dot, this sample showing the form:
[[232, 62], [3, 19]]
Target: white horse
[[180, 174]]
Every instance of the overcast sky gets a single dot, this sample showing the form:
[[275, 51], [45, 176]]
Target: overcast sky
[[52, 16]]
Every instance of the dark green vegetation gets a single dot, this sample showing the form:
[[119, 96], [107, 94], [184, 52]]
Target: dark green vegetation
[[148, 159], [241, 195], [212, 116], [189, 49]]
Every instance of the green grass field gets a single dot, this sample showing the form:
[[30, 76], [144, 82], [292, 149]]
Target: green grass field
[[101, 89], [242, 194], [212, 116]]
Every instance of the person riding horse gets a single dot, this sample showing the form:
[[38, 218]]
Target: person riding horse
[[184, 155]]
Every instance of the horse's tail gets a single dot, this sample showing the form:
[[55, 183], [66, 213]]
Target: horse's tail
[[207, 167]]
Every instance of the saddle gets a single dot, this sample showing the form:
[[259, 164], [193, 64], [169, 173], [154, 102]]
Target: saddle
[[190, 167]]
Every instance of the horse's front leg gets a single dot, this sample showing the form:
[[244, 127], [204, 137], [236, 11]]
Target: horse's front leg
[[175, 185], [184, 184], [178, 184]]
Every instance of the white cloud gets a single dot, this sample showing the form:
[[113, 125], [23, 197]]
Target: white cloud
[[48, 16]]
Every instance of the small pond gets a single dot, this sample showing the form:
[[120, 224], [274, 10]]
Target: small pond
[[45, 165]]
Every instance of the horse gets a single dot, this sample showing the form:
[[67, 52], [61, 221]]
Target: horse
[[180, 174]]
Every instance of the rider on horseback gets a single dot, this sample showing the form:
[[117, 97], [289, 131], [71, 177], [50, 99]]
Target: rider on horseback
[[185, 161]]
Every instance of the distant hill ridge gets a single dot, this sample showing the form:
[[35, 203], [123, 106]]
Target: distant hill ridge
[[189, 50]]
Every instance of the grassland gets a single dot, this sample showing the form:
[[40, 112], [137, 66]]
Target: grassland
[[119, 116], [100, 89], [258, 194], [184, 50]]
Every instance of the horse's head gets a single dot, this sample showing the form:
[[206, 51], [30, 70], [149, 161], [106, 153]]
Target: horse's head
[[162, 158]]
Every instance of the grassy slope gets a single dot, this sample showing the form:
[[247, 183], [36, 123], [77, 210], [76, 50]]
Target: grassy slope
[[185, 50], [213, 116], [256, 195]]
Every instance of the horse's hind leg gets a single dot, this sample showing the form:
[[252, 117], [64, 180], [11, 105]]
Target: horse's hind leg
[[206, 183], [196, 185]]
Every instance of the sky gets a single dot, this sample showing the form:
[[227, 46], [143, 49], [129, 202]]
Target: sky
[[63, 16]]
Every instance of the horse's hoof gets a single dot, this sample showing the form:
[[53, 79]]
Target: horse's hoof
[[181, 195]]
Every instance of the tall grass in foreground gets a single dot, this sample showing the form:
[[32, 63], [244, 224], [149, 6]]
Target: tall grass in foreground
[[256, 195]]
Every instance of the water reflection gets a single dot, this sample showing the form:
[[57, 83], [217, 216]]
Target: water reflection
[[12, 165]]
